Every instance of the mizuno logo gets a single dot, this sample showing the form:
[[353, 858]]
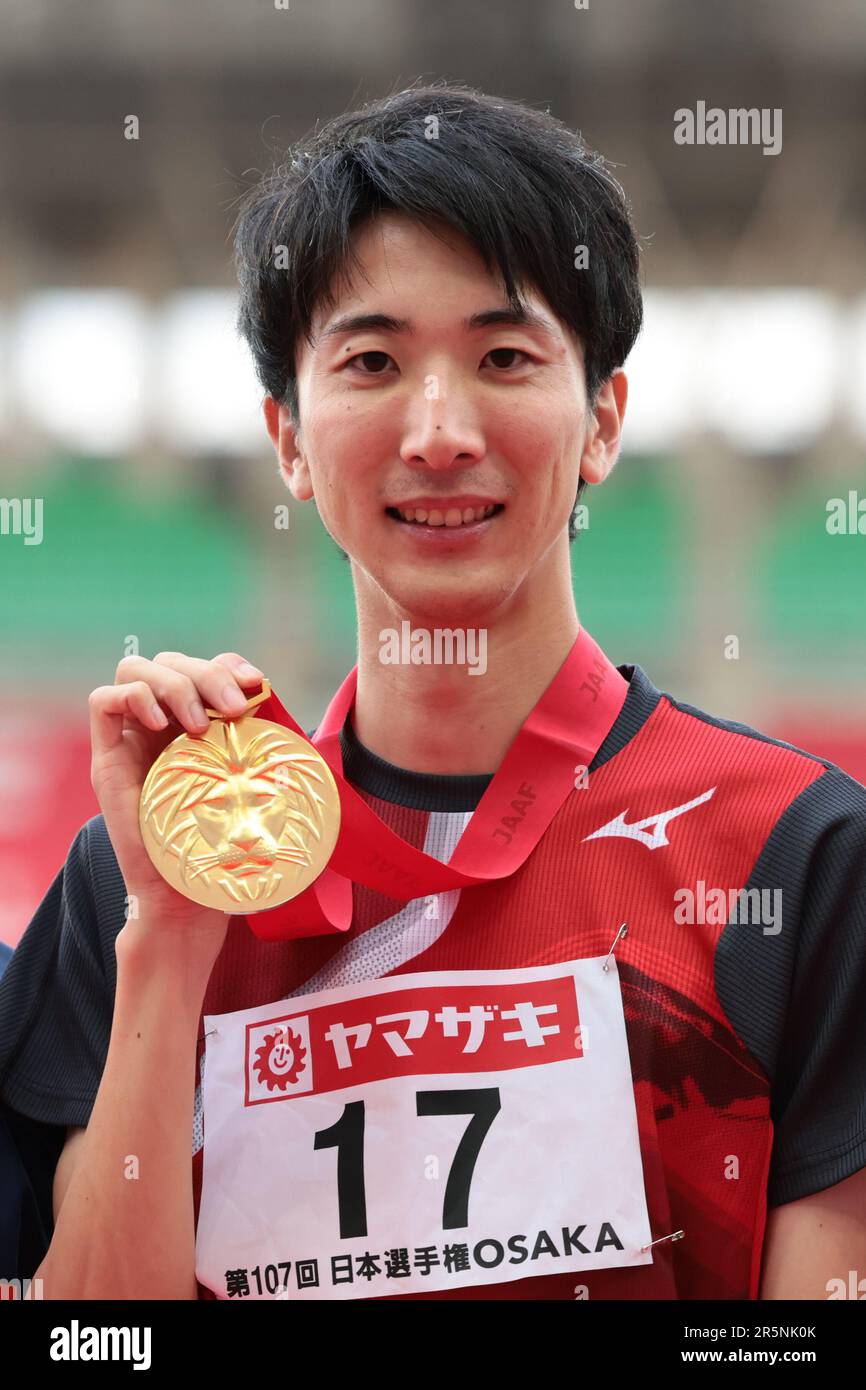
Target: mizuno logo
[[638, 830]]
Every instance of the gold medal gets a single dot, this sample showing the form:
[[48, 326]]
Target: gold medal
[[242, 818]]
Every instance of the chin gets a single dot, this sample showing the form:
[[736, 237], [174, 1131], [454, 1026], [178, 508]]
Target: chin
[[461, 602]]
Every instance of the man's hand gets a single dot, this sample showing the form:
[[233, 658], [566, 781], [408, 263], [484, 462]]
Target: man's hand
[[131, 722]]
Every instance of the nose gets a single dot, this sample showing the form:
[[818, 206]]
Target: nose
[[442, 427], [246, 845]]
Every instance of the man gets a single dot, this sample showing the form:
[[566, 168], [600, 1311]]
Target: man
[[443, 375]]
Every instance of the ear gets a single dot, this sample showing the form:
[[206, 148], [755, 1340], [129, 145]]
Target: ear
[[286, 441], [601, 449]]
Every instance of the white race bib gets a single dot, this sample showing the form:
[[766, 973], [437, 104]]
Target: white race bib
[[423, 1132]]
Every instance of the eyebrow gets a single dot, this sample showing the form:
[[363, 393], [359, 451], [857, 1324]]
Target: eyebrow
[[488, 318]]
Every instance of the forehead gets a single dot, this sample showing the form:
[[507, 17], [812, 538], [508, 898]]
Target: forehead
[[395, 259]]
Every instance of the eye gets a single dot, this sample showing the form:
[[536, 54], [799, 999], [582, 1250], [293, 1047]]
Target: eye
[[509, 352], [377, 364]]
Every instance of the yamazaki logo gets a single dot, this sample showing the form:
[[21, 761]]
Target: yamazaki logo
[[435, 1030]]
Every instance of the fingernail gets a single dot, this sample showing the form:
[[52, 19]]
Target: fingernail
[[245, 669], [196, 712], [159, 715], [233, 698]]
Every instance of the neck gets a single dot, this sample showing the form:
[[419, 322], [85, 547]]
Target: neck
[[440, 718]]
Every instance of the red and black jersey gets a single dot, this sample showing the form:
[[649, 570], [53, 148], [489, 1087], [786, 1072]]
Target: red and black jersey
[[683, 817], [738, 863]]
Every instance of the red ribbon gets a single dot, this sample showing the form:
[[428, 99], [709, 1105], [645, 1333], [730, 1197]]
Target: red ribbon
[[561, 734]]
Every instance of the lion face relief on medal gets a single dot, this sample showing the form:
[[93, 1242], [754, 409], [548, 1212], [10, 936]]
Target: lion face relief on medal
[[243, 818]]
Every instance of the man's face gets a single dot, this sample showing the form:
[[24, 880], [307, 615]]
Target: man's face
[[443, 413]]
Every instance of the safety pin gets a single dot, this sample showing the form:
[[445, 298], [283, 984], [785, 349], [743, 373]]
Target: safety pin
[[677, 1235], [623, 931]]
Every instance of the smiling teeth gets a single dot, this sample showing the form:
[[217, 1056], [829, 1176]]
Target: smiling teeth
[[454, 516]]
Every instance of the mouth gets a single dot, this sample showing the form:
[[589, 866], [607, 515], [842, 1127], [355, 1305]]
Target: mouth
[[445, 518]]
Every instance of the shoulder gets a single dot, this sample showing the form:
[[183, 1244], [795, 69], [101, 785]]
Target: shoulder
[[782, 792], [790, 964], [730, 738]]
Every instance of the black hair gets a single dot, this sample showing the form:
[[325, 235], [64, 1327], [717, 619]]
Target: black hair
[[516, 182]]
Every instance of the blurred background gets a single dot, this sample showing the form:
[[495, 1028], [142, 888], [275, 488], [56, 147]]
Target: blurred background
[[129, 407]]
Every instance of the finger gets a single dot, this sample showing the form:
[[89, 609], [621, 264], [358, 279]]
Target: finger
[[218, 684], [243, 669], [175, 690], [111, 705]]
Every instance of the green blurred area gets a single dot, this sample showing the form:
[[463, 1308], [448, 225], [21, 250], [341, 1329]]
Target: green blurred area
[[627, 564], [191, 572], [809, 580], [115, 563]]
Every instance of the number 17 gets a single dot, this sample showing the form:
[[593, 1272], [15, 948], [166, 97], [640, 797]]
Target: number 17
[[346, 1135]]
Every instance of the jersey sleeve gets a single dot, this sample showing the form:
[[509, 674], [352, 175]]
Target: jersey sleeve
[[56, 1008], [798, 996], [57, 993]]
